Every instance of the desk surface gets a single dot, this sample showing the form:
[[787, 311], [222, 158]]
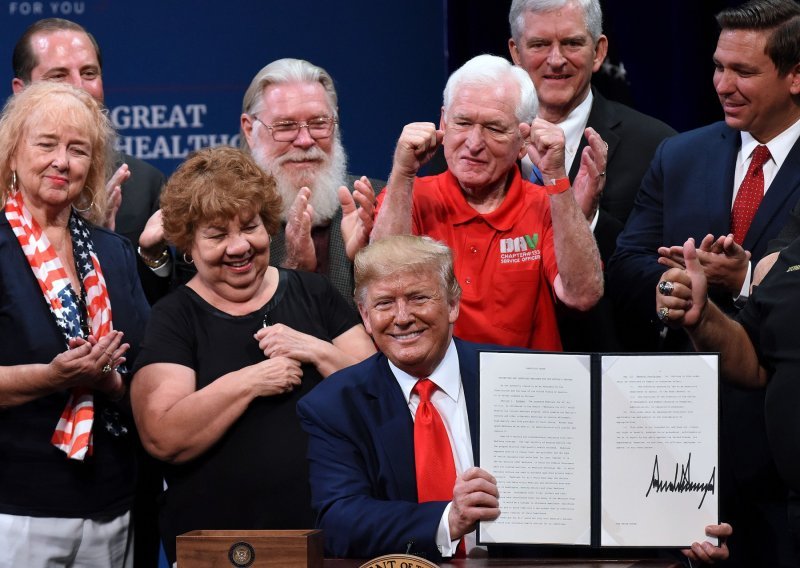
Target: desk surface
[[527, 563]]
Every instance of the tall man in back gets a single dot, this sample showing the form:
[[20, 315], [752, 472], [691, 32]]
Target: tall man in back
[[560, 43], [730, 186], [54, 49]]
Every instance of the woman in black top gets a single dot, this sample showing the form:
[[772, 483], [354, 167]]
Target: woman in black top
[[226, 357]]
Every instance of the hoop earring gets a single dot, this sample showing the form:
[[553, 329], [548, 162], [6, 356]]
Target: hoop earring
[[13, 186], [187, 258], [91, 203]]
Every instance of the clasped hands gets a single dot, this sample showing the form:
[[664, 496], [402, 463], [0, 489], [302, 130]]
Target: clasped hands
[[92, 363], [724, 262]]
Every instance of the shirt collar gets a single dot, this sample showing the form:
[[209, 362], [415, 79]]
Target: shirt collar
[[502, 218], [779, 147], [574, 125], [447, 375]]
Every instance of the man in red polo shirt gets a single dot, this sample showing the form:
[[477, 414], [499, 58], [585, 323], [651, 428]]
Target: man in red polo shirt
[[518, 247]]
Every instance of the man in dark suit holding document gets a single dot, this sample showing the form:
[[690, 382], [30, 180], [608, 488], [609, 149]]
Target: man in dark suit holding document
[[375, 465]]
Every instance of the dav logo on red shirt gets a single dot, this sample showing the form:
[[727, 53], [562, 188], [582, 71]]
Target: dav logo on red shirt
[[520, 249]]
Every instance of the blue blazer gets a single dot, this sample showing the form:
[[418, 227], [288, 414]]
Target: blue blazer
[[361, 458], [687, 192]]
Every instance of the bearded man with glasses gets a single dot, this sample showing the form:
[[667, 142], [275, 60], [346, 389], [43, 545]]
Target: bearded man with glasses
[[290, 126]]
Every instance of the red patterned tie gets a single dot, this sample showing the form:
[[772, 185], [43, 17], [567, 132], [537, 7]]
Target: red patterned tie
[[750, 194], [433, 455]]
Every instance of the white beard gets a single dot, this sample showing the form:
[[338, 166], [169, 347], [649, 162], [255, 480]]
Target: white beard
[[323, 183]]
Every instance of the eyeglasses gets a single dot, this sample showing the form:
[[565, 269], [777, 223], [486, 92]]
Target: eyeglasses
[[318, 128], [492, 131]]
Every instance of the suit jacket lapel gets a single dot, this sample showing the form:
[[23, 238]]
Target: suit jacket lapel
[[388, 410], [717, 180], [603, 119], [779, 197], [468, 364]]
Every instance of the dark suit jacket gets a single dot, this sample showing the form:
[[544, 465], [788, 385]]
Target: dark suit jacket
[[140, 199], [632, 139], [340, 268], [687, 192], [361, 458]]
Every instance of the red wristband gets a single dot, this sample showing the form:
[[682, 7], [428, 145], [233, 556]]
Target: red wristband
[[557, 186]]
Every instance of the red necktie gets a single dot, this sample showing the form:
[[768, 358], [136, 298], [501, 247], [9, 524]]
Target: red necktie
[[750, 194], [433, 455]]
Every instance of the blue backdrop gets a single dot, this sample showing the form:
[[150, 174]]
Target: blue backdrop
[[175, 72]]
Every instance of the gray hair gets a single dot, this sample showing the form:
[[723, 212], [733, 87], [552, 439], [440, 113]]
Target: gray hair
[[489, 70], [402, 254], [593, 15], [282, 71]]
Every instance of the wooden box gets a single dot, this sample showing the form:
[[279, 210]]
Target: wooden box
[[256, 549]]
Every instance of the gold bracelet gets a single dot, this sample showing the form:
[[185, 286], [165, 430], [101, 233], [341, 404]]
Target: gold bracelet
[[154, 263]]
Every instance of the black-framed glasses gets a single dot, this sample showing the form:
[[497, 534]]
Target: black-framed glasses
[[286, 131]]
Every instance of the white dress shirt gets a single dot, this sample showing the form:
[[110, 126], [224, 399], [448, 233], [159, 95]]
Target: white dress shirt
[[449, 401], [779, 148]]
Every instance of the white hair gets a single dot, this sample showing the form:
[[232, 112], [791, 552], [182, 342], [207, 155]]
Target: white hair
[[490, 70]]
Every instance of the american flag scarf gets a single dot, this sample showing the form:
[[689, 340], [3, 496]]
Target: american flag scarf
[[73, 434]]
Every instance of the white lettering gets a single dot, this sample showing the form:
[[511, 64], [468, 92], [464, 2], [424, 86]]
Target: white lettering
[[175, 146], [24, 8], [66, 8], [138, 117]]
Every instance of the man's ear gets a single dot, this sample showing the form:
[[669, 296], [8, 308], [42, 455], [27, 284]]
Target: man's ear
[[453, 311], [794, 80], [600, 52], [442, 121], [365, 317], [512, 49], [17, 85], [246, 122]]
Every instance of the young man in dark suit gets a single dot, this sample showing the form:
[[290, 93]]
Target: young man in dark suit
[[691, 190]]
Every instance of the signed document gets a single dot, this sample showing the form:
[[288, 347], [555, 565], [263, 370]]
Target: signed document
[[659, 448], [591, 450]]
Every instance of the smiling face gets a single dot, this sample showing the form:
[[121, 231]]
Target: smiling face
[[231, 257], [302, 158], [557, 51], [68, 56], [481, 136], [754, 97], [410, 318], [52, 161]]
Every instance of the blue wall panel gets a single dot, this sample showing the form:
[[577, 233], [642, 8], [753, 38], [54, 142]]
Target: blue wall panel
[[175, 71]]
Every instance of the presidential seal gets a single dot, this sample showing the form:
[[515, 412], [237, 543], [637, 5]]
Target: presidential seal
[[241, 554]]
